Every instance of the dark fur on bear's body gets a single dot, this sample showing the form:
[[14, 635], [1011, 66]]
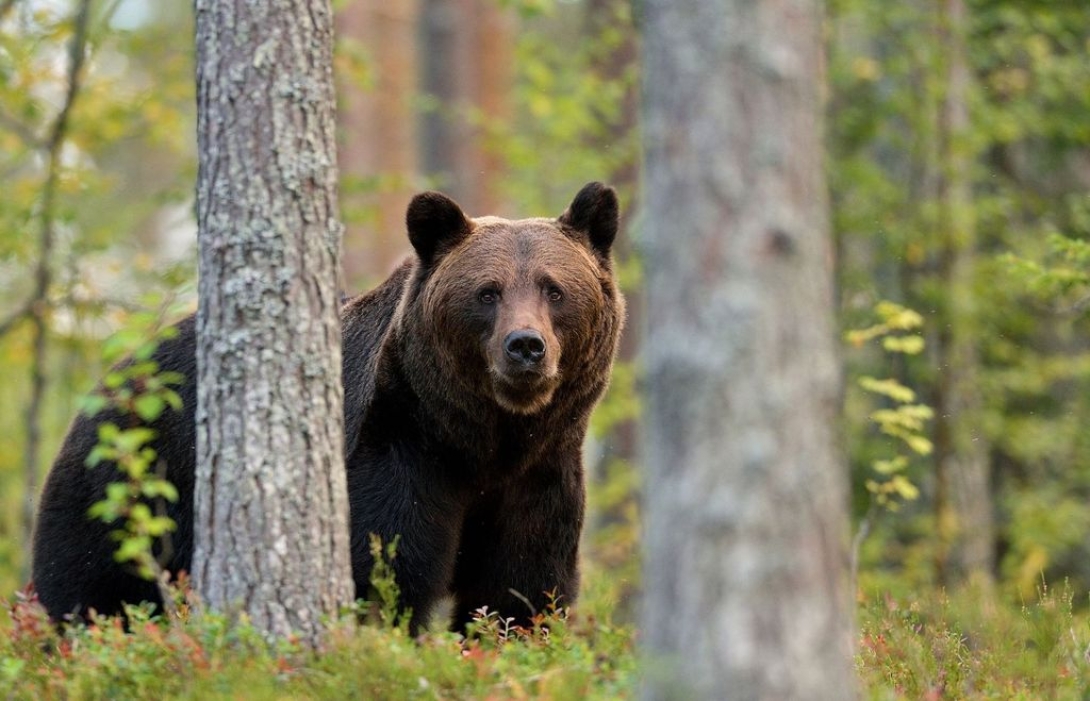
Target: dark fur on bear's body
[[469, 374]]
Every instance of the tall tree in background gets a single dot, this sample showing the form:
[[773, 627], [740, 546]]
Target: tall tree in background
[[379, 145], [468, 71], [271, 505], [963, 494], [745, 526]]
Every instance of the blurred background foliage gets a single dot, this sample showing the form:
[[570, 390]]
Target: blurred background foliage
[[959, 173]]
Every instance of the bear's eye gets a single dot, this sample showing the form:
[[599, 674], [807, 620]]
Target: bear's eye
[[488, 296], [554, 293]]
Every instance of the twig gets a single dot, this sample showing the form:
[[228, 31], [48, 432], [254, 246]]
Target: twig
[[39, 303]]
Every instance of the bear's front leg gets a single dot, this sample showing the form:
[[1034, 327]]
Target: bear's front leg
[[519, 550], [389, 503]]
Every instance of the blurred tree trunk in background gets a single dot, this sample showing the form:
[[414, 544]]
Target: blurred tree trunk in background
[[964, 505], [745, 527], [612, 64], [271, 512], [378, 150], [468, 68]]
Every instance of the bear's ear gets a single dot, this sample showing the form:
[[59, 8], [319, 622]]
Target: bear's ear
[[595, 212], [436, 224]]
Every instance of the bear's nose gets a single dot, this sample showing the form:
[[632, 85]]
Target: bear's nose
[[525, 346]]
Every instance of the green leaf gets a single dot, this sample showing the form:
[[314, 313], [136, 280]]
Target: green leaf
[[904, 488], [133, 547], [114, 379], [898, 317], [93, 403], [103, 511], [145, 350], [117, 492], [890, 388], [172, 398], [909, 345], [919, 444], [108, 432], [159, 488], [169, 377], [159, 525], [140, 513], [132, 439], [148, 406], [99, 453], [888, 467]]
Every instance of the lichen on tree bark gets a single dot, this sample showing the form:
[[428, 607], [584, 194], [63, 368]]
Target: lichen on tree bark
[[271, 506]]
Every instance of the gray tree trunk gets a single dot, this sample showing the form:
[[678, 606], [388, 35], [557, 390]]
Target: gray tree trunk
[[745, 524], [271, 508]]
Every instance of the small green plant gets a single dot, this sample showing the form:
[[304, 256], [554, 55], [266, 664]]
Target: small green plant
[[383, 605], [134, 394]]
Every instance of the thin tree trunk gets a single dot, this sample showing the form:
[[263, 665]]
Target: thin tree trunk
[[963, 447], [378, 134], [745, 529], [271, 510]]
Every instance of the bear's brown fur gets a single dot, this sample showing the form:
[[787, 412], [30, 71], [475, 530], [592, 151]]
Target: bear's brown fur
[[469, 374]]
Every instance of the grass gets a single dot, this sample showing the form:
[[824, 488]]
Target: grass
[[562, 657], [964, 646], [972, 646]]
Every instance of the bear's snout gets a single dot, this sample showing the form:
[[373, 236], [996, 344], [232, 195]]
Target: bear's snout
[[525, 346]]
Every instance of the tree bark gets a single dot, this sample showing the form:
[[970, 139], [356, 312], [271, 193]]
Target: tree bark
[[271, 535], [745, 528]]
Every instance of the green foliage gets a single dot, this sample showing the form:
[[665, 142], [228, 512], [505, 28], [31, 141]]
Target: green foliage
[[1022, 304], [123, 183], [904, 419], [381, 606], [135, 393], [205, 656], [938, 647], [573, 105]]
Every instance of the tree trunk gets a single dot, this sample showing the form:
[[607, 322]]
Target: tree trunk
[[378, 135], [271, 535], [745, 529], [961, 448], [469, 70]]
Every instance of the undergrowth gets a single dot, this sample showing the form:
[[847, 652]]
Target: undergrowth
[[201, 656], [967, 645]]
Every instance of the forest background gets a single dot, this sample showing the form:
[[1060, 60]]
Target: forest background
[[958, 142]]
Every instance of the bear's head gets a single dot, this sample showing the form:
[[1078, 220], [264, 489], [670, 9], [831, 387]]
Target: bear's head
[[512, 311]]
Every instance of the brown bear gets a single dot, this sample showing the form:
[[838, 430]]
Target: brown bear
[[470, 375]]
